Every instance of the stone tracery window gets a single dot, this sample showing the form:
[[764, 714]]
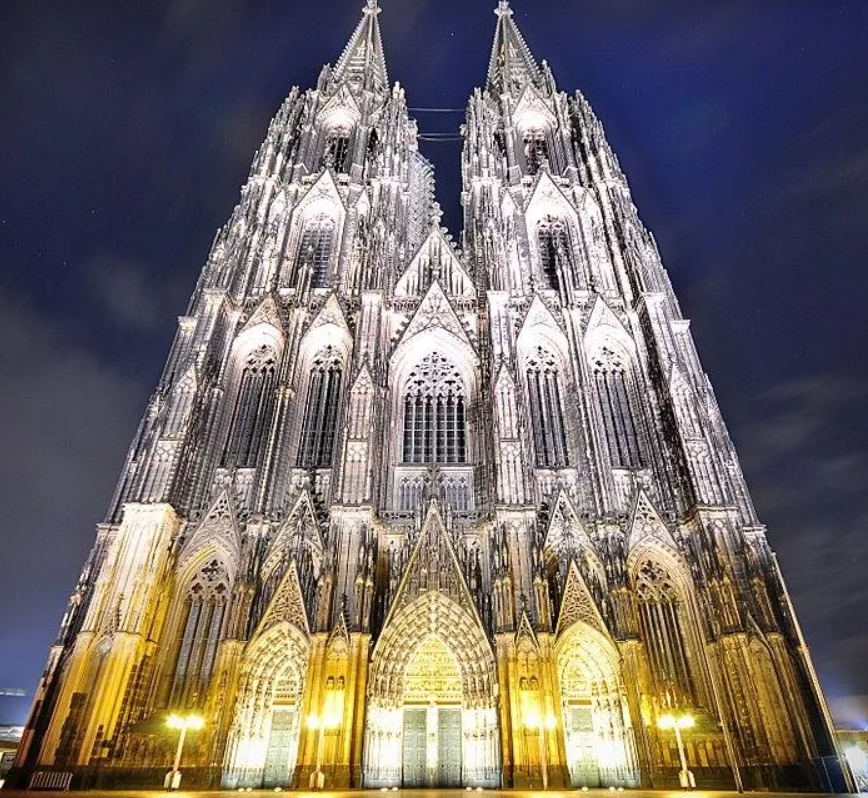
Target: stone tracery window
[[536, 150], [202, 624], [546, 410], [663, 627], [612, 377], [435, 413], [553, 242], [254, 408], [321, 412], [337, 150], [315, 249]]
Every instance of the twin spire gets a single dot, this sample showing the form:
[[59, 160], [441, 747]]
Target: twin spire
[[363, 55], [512, 64]]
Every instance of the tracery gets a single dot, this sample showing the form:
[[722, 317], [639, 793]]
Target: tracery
[[435, 413], [546, 410]]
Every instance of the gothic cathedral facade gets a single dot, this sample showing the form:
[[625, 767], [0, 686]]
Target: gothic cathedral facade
[[415, 512]]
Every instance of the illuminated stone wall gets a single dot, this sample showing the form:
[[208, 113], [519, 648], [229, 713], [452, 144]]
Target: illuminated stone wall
[[411, 511]]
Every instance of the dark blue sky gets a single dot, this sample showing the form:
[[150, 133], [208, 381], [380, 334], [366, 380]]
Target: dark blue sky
[[128, 128]]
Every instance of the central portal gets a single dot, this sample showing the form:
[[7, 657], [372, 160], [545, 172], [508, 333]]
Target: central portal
[[432, 717]]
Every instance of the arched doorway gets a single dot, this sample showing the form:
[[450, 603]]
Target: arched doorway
[[262, 750], [597, 732], [432, 716]]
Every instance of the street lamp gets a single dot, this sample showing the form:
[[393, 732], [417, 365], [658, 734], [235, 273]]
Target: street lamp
[[182, 724], [535, 723], [319, 725], [677, 723]]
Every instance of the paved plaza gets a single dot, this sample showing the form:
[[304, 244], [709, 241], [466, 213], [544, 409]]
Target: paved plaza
[[407, 793]]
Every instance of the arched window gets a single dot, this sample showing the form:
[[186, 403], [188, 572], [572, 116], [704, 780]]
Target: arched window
[[553, 242], [254, 408], [201, 627], [536, 151], [337, 150], [662, 625], [612, 379], [315, 249], [546, 410], [434, 413], [321, 413]]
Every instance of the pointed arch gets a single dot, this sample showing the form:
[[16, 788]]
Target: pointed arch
[[263, 739], [314, 245], [199, 619], [435, 411], [320, 381], [545, 391], [597, 735], [251, 390], [553, 249], [324, 388], [611, 360]]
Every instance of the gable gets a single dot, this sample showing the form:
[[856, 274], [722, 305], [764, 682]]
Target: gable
[[578, 605]]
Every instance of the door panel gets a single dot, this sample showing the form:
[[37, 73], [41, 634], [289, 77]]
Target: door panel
[[282, 747], [581, 753], [449, 747], [415, 747]]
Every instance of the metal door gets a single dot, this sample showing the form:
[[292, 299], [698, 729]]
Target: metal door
[[581, 753], [449, 747], [282, 748], [416, 747]]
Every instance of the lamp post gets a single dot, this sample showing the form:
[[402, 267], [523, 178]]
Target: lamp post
[[320, 725], [183, 724], [678, 722]]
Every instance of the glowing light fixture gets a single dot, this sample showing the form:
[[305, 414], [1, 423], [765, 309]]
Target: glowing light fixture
[[673, 722], [181, 724]]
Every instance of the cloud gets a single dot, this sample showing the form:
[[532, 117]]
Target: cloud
[[131, 295], [66, 419]]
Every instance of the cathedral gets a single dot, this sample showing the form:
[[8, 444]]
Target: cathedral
[[407, 510]]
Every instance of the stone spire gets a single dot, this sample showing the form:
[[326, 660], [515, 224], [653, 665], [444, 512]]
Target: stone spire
[[512, 64], [363, 60]]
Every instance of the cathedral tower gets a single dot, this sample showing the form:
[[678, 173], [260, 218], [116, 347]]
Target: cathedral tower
[[404, 512]]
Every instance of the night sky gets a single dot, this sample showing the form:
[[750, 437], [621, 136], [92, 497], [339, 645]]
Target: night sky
[[127, 129]]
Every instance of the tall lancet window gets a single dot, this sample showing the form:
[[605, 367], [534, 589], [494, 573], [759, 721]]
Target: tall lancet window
[[315, 249], [200, 630], [321, 411], [553, 242], [612, 376], [435, 413], [536, 151], [337, 150], [663, 625], [254, 408], [546, 410]]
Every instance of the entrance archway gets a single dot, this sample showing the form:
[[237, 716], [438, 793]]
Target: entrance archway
[[263, 740], [432, 718], [597, 732]]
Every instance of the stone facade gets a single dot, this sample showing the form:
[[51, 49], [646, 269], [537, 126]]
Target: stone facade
[[472, 506]]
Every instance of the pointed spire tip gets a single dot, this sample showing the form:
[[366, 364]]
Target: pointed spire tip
[[503, 9], [372, 7]]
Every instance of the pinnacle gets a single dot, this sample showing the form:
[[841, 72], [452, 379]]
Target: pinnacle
[[363, 57], [512, 64]]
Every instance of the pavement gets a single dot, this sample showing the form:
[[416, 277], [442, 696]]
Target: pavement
[[407, 793]]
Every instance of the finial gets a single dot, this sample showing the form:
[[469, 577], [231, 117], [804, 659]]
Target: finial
[[372, 7], [503, 9]]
